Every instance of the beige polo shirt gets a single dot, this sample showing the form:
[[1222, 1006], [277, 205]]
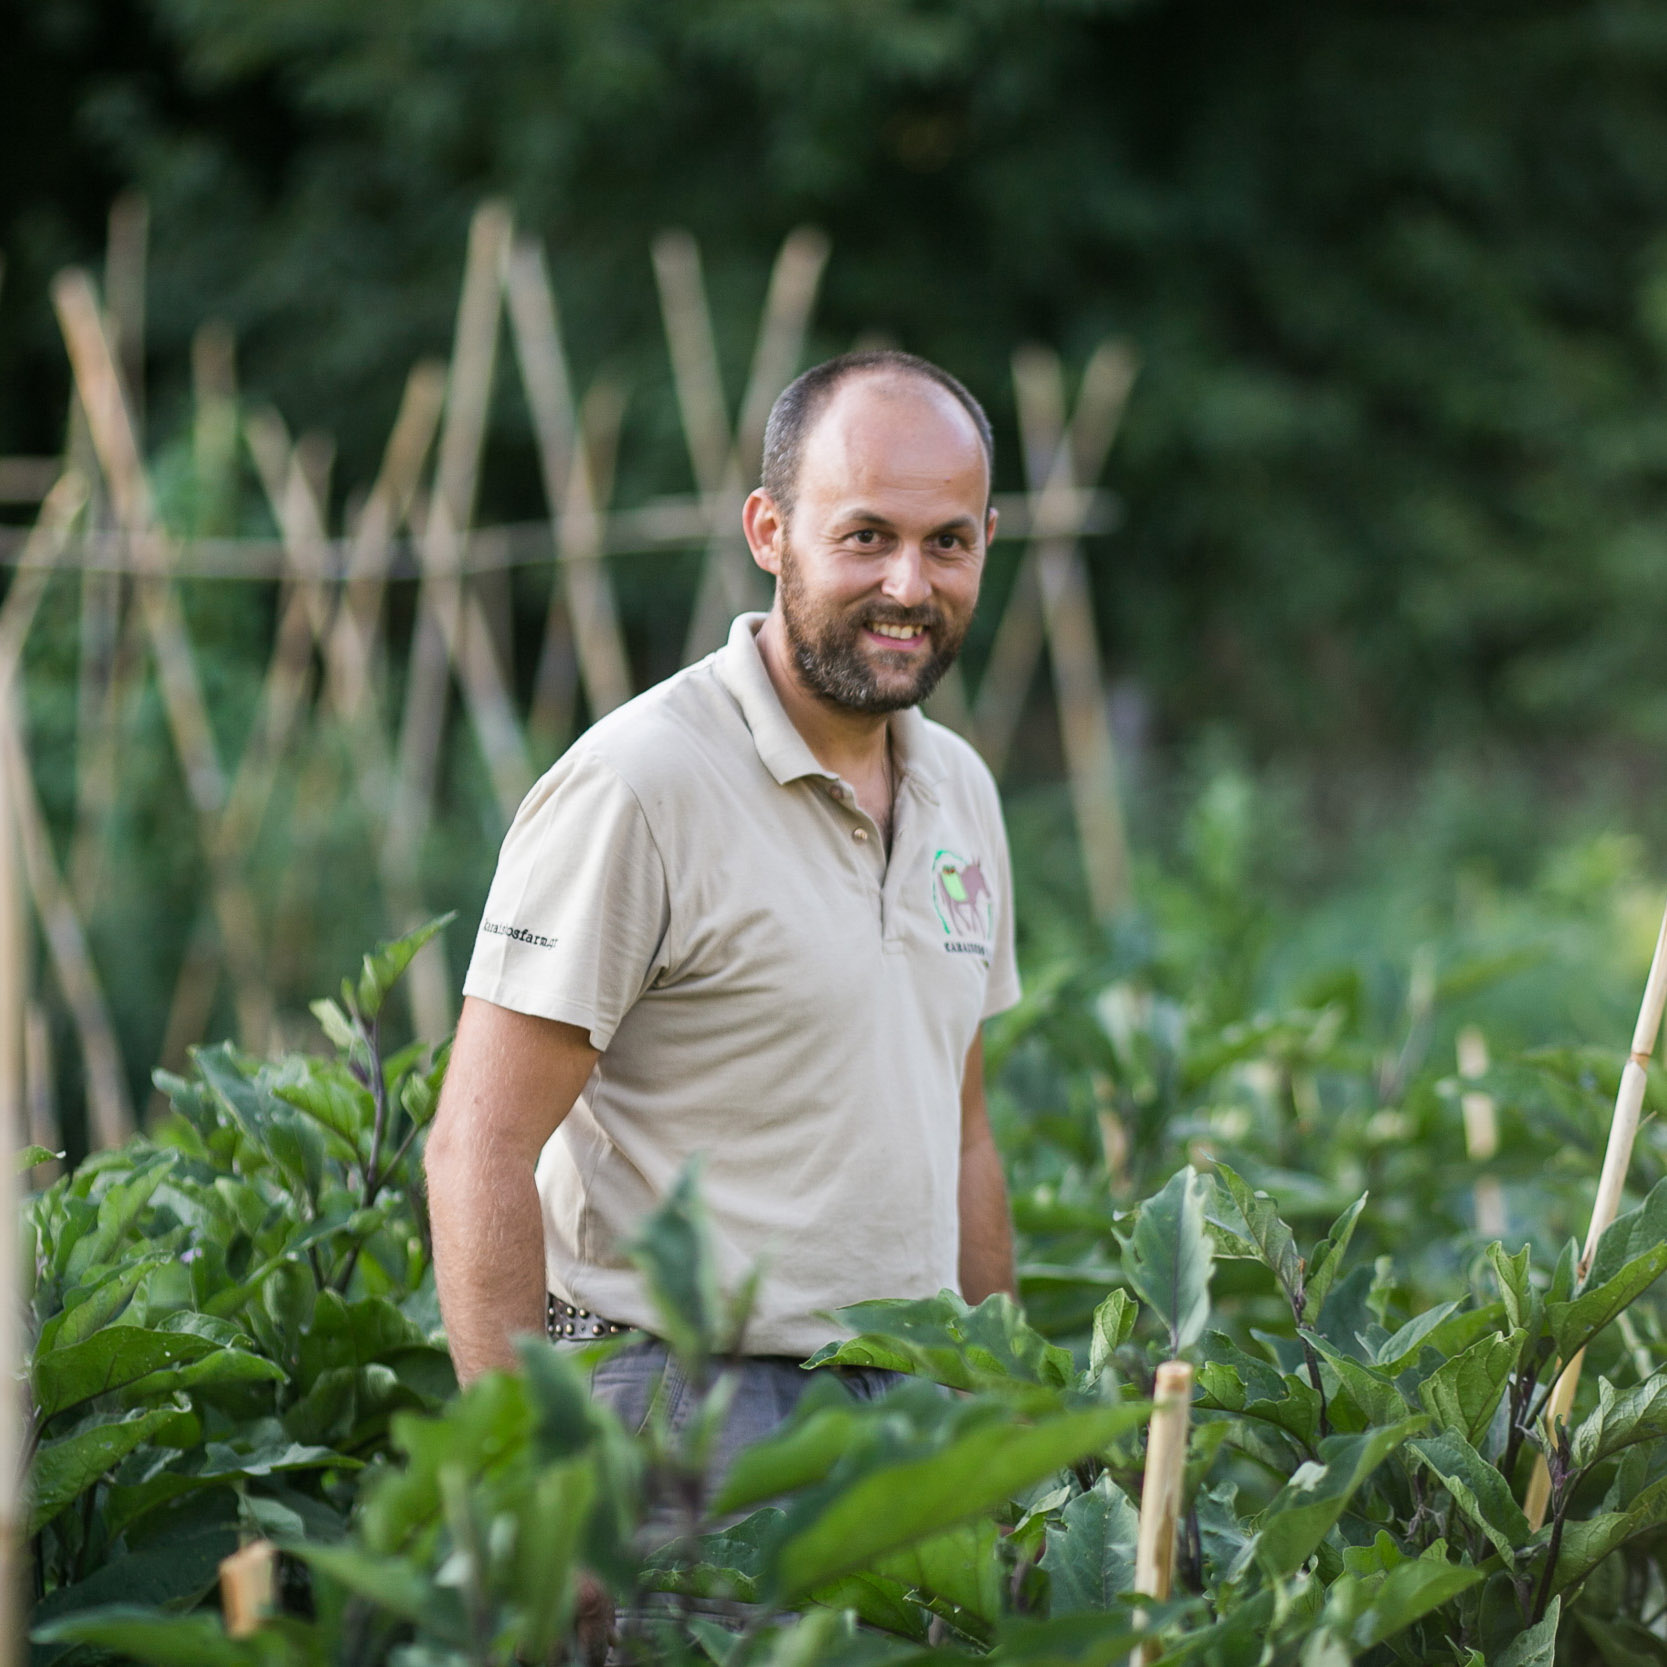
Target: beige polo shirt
[[768, 990]]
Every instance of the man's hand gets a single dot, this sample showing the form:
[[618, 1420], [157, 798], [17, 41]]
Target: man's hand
[[511, 1080], [986, 1227]]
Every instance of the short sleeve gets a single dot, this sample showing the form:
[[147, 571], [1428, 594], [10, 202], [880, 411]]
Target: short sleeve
[[1001, 990], [576, 921]]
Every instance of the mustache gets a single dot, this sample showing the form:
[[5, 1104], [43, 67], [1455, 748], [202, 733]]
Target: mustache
[[928, 619]]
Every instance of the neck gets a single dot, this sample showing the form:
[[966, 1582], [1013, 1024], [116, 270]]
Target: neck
[[851, 744]]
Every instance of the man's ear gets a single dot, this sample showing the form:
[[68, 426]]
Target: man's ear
[[765, 527], [991, 517]]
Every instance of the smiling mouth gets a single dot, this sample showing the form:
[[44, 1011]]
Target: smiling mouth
[[902, 635]]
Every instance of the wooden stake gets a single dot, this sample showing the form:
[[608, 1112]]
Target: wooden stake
[[725, 460], [13, 974], [1061, 596], [184, 705], [110, 1109], [41, 1091], [575, 491], [1617, 1159], [1162, 1489], [249, 1587], [451, 630], [1481, 1133], [353, 658]]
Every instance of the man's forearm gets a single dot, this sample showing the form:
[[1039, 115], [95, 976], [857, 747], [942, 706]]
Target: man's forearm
[[986, 1227], [488, 1254]]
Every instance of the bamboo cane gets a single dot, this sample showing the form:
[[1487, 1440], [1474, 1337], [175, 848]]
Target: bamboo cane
[[110, 1109], [452, 632], [1074, 452], [13, 958], [724, 460], [183, 702], [1162, 1489], [1481, 1133], [249, 1587], [571, 489], [1617, 1159], [1066, 606], [39, 1088], [353, 659]]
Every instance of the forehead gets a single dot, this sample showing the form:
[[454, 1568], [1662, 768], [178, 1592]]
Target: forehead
[[885, 436]]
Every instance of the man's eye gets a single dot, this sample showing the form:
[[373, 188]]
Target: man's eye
[[866, 535]]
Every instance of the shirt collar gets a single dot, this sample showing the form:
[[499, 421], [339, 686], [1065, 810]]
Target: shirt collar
[[783, 750]]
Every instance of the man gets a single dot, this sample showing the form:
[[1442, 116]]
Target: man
[[757, 914]]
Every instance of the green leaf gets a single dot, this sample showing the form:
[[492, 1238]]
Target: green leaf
[[335, 1024], [117, 1211], [1327, 1261], [551, 1529], [1621, 1419], [1306, 1509], [95, 1304], [66, 1468], [384, 965], [961, 1568], [159, 1641], [119, 1357], [1478, 1489], [1090, 1556], [1537, 1645], [1461, 1394], [1168, 1259], [1274, 1242], [1399, 1351], [177, 1574], [1113, 1325], [1586, 1544], [673, 1249], [988, 1347], [878, 1602], [1374, 1392], [332, 1096], [395, 1584], [31, 1156], [1369, 1610], [798, 1454], [1516, 1288], [1574, 1323], [894, 1507]]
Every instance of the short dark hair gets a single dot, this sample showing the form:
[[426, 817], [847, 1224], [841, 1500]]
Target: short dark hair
[[799, 404]]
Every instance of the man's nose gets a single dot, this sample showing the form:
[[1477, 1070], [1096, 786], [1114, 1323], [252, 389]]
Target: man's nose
[[905, 581]]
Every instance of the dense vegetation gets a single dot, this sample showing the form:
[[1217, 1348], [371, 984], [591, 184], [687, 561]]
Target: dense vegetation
[[238, 1336], [1394, 468]]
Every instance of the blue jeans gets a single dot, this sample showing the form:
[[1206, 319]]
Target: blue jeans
[[769, 1388]]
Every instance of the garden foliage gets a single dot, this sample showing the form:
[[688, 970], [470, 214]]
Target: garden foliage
[[237, 1337]]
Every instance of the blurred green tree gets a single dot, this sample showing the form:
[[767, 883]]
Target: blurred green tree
[[1395, 469]]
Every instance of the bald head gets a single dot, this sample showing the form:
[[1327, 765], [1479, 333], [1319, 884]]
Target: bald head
[[897, 387]]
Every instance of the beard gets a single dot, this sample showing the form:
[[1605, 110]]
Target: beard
[[838, 667]]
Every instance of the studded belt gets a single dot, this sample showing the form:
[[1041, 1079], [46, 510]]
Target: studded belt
[[562, 1319]]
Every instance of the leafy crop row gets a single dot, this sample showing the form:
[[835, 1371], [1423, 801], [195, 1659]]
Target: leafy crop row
[[237, 1337]]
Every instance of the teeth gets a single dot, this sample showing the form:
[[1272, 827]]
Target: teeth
[[906, 633]]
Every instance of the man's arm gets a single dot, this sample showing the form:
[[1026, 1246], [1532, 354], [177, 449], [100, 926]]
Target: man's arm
[[986, 1227], [511, 1080]]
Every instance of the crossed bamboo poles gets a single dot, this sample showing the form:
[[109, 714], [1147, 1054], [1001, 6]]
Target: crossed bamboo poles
[[329, 656]]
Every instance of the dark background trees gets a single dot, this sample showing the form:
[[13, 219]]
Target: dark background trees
[[1395, 467]]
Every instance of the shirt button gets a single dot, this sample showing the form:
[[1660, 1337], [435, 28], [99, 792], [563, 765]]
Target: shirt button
[[859, 833], [837, 793]]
